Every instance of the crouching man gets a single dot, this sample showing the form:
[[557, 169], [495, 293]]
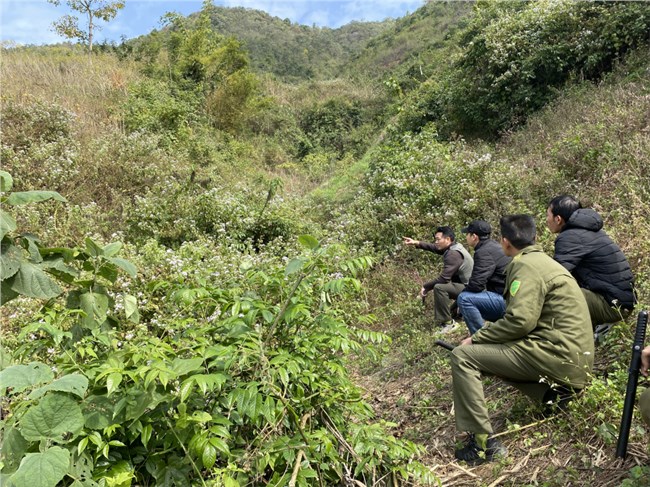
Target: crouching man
[[543, 344]]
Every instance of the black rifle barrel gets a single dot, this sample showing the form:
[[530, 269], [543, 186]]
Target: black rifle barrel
[[443, 344], [632, 381]]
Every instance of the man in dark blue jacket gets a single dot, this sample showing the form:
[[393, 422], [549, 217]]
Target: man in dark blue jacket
[[482, 299], [596, 262]]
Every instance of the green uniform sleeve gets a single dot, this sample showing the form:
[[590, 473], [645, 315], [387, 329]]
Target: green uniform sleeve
[[525, 299]]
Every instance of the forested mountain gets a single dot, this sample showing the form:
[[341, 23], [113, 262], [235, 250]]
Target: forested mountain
[[285, 49], [202, 274]]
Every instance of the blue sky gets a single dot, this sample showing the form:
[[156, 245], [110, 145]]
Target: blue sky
[[30, 21]]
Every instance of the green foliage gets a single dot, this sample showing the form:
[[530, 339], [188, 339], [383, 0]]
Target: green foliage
[[244, 386], [153, 106], [174, 215], [37, 145], [23, 269], [419, 181], [330, 125], [518, 54]]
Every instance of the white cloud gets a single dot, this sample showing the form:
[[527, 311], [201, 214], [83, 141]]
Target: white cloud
[[28, 22]]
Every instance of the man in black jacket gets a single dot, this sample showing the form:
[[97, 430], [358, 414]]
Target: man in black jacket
[[596, 262], [482, 298]]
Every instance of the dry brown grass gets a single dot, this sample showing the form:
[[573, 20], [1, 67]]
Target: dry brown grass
[[89, 87]]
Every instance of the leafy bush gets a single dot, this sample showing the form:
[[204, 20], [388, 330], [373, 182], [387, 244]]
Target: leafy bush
[[173, 214], [153, 106], [417, 183], [248, 385], [517, 55]]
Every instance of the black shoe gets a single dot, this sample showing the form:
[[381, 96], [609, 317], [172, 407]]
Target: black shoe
[[473, 454]]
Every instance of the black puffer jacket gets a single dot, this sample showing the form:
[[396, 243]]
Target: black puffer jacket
[[489, 270], [596, 262]]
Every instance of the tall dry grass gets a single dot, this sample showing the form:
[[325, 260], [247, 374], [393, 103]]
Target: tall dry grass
[[90, 87]]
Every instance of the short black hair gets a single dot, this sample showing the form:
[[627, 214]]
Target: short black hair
[[446, 232], [520, 230], [564, 206]]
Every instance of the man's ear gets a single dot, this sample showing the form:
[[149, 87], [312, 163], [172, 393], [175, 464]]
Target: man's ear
[[506, 245]]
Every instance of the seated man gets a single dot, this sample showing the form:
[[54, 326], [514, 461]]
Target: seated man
[[456, 270], [482, 298], [544, 342], [597, 263]]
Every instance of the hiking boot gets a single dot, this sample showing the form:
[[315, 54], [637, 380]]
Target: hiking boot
[[473, 454]]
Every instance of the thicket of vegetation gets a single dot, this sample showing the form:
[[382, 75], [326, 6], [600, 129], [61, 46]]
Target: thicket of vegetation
[[202, 277]]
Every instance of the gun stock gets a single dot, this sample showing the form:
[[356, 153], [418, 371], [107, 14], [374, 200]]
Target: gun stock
[[632, 381]]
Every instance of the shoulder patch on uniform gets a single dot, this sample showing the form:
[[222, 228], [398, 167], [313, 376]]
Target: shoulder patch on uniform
[[514, 287]]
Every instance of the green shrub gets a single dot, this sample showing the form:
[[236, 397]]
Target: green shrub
[[153, 106], [517, 55]]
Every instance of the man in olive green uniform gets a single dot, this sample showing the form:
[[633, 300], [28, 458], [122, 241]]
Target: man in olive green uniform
[[544, 341]]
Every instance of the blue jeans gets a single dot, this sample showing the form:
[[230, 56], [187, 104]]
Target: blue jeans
[[479, 307]]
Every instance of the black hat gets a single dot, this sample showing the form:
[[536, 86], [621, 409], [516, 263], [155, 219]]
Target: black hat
[[479, 227]]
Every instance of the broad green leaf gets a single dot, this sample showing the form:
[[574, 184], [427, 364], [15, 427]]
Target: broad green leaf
[[10, 258], [32, 245], [112, 249], [6, 181], [33, 282], [6, 358], [186, 389], [81, 467], [62, 252], [45, 469], [113, 381], [108, 271], [53, 417], [76, 384], [184, 366], [294, 266], [119, 475], [126, 265], [20, 377], [99, 412], [209, 455], [24, 197], [308, 241], [58, 267], [229, 482], [200, 417], [92, 248], [220, 445], [6, 293], [14, 447], [145, 435], [95, 306], [7, 224], [131, 308]]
